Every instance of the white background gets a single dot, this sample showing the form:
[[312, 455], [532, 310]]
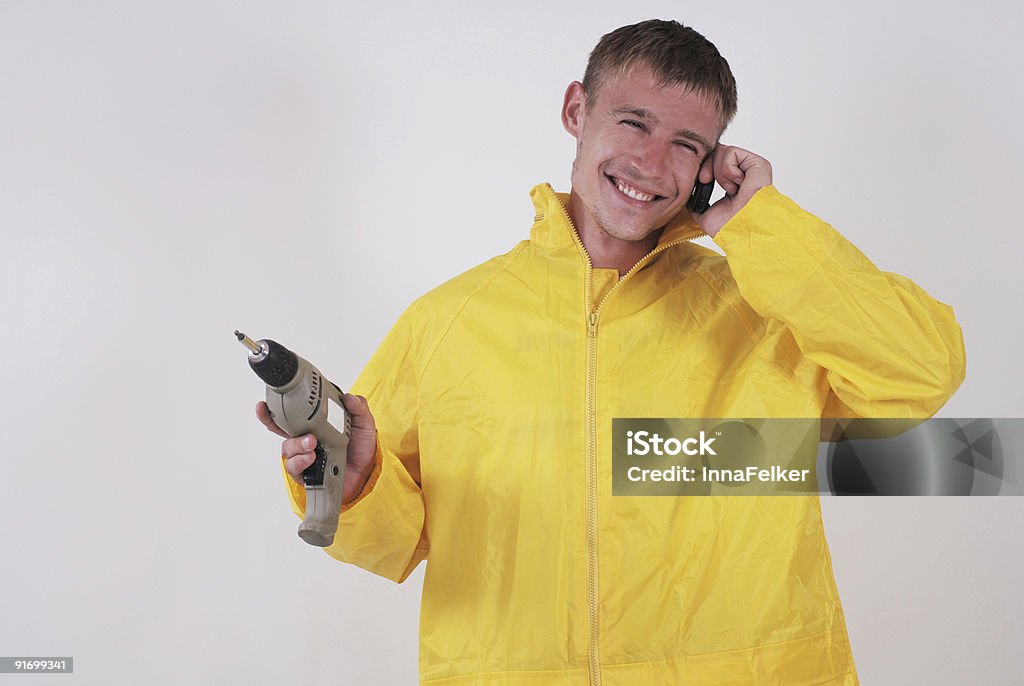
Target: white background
[[172, 171]]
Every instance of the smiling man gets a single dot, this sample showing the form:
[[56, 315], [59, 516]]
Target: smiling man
[[488, 452]]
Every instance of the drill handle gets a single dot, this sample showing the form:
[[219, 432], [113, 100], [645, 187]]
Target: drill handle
[[310, 404], [325, 478]]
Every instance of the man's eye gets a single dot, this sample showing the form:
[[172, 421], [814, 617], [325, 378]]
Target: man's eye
[[684, 144], [634, 124]]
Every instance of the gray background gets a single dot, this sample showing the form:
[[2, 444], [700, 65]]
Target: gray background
[[172, 171]]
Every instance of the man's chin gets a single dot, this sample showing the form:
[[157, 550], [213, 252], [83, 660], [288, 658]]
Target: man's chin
[[633, 234], [633, 230]]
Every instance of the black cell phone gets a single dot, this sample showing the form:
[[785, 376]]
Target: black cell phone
[[700, 197]]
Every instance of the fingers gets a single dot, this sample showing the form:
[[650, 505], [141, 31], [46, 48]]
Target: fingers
[[735, 167], [297, 452], [263, 414], [727, 168], [298, 455], [298, 464], [300, 445]]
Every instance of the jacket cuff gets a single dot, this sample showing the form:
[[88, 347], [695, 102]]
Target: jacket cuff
[[767, 206]]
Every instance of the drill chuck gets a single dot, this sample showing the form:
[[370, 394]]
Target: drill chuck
[[272, 362]]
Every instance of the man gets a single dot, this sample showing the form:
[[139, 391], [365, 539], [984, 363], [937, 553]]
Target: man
[[488, 447]]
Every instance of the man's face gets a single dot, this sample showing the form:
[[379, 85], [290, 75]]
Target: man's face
[[639, 148]]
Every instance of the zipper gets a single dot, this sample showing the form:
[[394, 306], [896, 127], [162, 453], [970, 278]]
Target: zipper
[[593, 653], [593, 316]]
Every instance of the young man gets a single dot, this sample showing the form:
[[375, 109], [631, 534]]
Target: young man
[[488, 447]]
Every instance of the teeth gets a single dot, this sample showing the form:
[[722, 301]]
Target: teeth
[[632, 192]]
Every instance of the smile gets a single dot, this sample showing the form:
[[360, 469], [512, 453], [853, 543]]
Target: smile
[[632, 192]]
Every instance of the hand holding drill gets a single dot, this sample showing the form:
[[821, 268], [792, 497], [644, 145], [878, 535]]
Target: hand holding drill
[[299, 455], [331, 436]]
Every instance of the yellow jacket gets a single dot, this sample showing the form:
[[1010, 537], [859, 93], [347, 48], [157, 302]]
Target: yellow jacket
[[494, 396]]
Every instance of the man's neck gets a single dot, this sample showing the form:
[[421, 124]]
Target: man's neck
[[606, 251]]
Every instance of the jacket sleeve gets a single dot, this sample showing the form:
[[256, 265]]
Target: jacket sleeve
[[382, 530], [888, 348]]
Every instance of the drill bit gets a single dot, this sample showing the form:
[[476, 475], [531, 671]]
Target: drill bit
[[249, 343]]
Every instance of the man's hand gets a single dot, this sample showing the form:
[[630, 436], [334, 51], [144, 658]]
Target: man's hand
[[741, 173], [362, 446]]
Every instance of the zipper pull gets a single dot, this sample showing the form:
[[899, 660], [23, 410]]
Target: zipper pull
[[592, 325]]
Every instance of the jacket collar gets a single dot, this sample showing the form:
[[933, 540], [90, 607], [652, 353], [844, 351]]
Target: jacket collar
[[552, 227]]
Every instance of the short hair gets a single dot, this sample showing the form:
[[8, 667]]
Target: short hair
[[676, 54]]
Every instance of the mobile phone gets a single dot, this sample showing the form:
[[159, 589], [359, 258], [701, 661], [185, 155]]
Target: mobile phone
[[700, 198]]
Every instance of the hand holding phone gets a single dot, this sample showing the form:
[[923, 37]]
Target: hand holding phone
[[740, 173]]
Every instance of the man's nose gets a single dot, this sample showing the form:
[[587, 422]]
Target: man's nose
[[650, 158]]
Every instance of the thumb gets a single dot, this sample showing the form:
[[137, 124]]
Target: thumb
[[359, 409], [706, 173]]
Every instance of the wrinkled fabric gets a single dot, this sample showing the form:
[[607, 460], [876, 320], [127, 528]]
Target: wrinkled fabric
[[480, 393]]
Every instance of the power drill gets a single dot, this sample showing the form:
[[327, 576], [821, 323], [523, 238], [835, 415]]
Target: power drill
[[302, 401]]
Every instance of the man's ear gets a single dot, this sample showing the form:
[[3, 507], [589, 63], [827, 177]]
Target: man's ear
[[574, 109]]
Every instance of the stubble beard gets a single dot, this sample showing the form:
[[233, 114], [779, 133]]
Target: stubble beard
[[630, 232], [600, 217]]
